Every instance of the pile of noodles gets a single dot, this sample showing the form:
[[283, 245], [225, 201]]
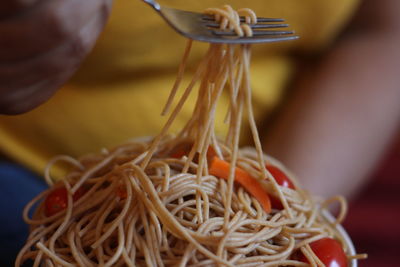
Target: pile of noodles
[[143, 206]]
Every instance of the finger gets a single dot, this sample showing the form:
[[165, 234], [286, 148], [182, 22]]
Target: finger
[[33, 95], [26, 84], [46, 26]]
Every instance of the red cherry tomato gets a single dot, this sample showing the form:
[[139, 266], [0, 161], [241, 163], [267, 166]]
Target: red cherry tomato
[[184, 149], [282, 180], [57, 200], [179, 154], [121, 192], [181, 150], [329, 251], [280, 177]]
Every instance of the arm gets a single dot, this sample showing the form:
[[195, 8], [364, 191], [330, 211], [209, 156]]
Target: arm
[[345, 111], [42, 43]]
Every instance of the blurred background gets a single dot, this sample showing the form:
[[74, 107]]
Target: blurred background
[[374, 214]]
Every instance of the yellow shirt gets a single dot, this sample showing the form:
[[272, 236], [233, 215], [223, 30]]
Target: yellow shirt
[[119, 90]]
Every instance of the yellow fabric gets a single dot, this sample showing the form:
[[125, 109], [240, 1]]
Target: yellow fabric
[[119, 90]]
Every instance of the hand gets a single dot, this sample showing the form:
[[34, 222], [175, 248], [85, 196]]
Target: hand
[[42, 42]]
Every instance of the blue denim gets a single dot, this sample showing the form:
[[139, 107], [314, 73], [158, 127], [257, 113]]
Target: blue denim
[[17, 187]]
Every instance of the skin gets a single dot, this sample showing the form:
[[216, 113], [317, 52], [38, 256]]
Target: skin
[[345, 110], [332, 131], [60, 34]]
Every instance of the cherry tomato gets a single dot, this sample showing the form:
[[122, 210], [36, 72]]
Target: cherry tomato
[[181, 150], [329, 251], [280, 177], [184, 150], [282, 180], [121, 192], [57, 200], [178, 154]]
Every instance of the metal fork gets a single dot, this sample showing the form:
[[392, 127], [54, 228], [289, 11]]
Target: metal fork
[[203, 28]]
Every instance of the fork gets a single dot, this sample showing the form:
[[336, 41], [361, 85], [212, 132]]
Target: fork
[[202, 27]]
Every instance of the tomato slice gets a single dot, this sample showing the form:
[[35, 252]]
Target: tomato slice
[[57, 200], [282, 180], [329, 251]]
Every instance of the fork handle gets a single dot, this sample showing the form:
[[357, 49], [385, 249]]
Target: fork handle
[[153, 4]]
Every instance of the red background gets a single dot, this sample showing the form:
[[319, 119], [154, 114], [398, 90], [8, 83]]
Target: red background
[[373, 221]]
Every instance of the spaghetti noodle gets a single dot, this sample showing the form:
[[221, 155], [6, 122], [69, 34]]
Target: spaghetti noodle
[[156, 202]]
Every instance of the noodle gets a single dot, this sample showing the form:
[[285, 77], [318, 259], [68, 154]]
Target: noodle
[[143, 206]]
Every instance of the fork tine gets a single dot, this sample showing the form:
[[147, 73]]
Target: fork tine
[[242, 19], [265, 19], [253, 26], [255, 33], [252, 40], [273, 39], [268, 26]]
